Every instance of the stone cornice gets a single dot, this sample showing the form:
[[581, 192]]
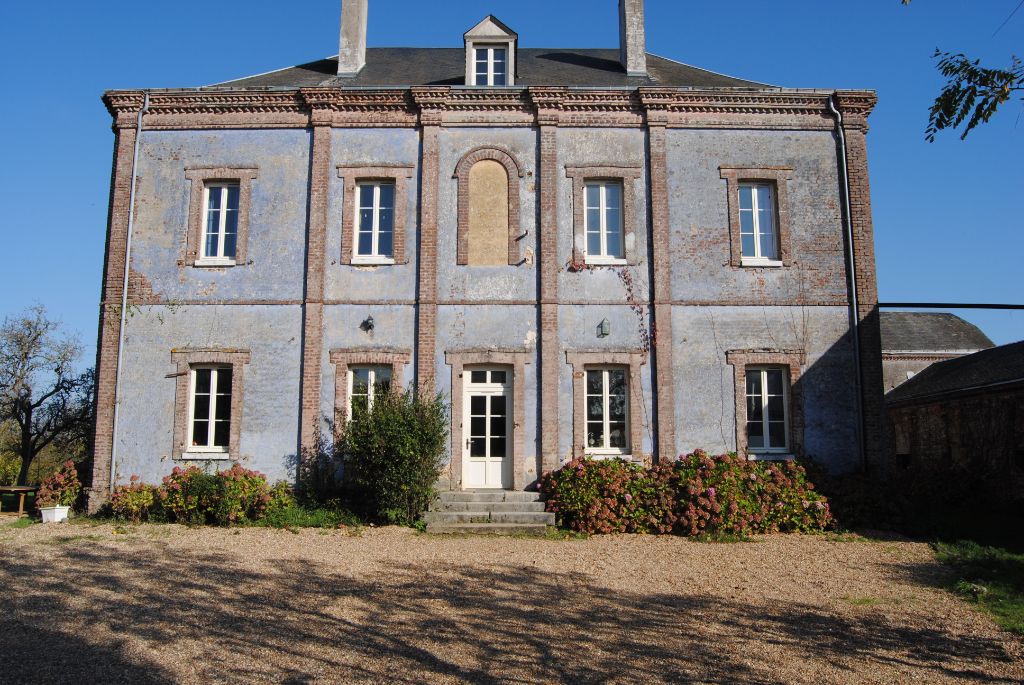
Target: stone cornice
[[409, 107]]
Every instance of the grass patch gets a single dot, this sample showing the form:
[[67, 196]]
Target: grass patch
[[328, 515], [862, 601], [991, 577], [721, 538], [21, 523]]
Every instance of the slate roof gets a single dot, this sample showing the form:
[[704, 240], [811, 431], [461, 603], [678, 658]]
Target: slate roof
[[997, 366], [392, 67], [930, 332]]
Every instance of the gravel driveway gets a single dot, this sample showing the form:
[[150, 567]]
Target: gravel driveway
[[153, 604]]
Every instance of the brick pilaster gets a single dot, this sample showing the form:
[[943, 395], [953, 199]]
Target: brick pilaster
[[661, 277], [109, 334], [313, 301], [426, 310], [855, 128], [551, 360]]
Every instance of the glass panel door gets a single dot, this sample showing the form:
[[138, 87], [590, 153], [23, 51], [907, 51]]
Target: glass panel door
[[487, 428]]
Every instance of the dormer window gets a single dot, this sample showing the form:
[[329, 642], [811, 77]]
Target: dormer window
[[491, 66], [490, 54]]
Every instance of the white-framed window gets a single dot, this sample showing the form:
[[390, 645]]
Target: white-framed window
[[220, 222], [767, 409], [759, 240], [491, 66], [607, 406], [366, 383], [603, 222], [375, 222], [210, 409]]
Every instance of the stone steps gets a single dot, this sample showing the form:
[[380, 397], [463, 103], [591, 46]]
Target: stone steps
[[494, 512]]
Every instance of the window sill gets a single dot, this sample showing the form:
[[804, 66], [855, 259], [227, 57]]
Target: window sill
[[214, 262], [604, 261], [758, 262], [210, 455], [770, 456], [373, 261], [607, 454]]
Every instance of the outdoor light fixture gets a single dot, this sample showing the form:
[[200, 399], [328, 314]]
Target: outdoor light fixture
[[367, 325], [604, 329]]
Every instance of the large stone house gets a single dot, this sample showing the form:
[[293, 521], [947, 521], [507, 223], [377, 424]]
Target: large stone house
[[600, 252]]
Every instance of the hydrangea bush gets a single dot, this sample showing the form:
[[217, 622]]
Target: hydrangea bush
[[61, 488], [696, 495]]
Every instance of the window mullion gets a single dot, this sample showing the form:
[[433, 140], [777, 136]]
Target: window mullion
[[603, 226], [605, 387], [765, 423], [376, 220], [222, 224]]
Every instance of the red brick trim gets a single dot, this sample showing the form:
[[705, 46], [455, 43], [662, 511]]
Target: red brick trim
[[515, 172], [313, 308], [399, 174], [777, 175], [517, 359], [109, 334], [627, 175], [345, 358], [633, 359], [426, 311], [184, 360], [794, 361], [200, 177], [547, 239]]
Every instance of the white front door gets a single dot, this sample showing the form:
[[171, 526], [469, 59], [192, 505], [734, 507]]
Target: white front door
[[487, 427]]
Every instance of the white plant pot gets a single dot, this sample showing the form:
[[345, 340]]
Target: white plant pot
[[54, 514]]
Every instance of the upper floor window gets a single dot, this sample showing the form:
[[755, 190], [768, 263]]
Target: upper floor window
[[375, 217], [607, 406], [220, 221], [758, 237], [604, 222], [367, 382], [491, 66], [210, 415], [767, 420]]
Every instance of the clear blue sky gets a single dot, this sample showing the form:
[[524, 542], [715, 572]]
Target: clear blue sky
[[948, 224]]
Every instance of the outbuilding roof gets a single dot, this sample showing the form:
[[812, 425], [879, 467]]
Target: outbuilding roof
[[993, 368], [392, 67], [930, 332]]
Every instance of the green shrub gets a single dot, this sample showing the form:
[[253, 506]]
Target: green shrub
[[698, 495], [189, 496], [244, 496], [134, 502], [10, 466], [394, 454], [61, 488]]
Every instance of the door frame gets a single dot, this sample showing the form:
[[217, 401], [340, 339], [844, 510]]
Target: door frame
[[491, 390], [516, 360]]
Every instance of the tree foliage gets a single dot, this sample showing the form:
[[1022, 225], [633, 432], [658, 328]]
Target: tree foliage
[[49, 402], [972, 93]]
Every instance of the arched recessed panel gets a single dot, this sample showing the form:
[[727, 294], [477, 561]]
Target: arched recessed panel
[[488, 214]]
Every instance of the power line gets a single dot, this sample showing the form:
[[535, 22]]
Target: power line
[[1019, 5]]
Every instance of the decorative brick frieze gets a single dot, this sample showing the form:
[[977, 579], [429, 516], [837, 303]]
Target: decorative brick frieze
[[426, 310], [405, 107], [631, 359], [627, 176], [779, 177], [343, 359], [399, 175], [793, 361], [313, 308], [199, 177], [516, 360], [515, 171], [185, 360], [109, 334]]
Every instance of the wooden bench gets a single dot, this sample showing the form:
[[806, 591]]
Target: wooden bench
[[22, 491]]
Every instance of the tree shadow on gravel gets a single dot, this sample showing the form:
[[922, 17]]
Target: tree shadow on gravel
[[298, 621]]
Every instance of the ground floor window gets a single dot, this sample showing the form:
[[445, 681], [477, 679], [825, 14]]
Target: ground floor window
[[607, 405], [767, 421], [366, 383], [210, 419]]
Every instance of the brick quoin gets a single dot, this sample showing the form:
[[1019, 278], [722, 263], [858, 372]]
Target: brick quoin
[[426, 310]]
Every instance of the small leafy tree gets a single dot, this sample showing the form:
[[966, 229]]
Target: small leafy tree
[[394, 454], [40, 391]]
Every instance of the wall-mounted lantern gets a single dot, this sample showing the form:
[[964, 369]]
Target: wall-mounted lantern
[[604, 329], [367, 325]]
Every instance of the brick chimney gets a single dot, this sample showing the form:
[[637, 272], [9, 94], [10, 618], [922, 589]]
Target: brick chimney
[[352, 51], [632, 37]]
